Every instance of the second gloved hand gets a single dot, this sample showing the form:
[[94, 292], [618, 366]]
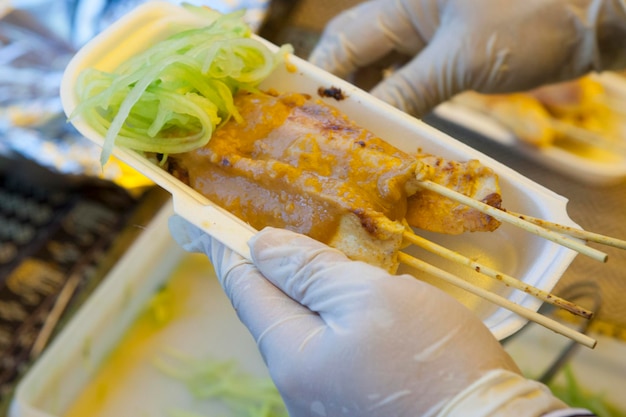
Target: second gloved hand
[[343, 338], [491, 46]]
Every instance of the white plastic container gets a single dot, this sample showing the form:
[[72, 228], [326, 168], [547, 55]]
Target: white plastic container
[[509, 249], [57, 378]]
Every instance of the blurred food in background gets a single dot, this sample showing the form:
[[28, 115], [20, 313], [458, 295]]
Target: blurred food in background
[[582, 116], [575, 128]]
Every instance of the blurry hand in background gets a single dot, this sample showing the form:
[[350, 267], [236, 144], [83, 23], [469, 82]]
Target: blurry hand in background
[[491, 46]]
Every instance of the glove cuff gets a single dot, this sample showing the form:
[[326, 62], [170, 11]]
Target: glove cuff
[[502, 393]]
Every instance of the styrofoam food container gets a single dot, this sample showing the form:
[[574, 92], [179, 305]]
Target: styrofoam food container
[[530, 258], [58, 376], [600, 168]]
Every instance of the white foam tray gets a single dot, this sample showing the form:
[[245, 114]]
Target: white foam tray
[[531, 259]]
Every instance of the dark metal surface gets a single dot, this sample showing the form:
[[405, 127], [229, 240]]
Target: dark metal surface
[[59, 236]]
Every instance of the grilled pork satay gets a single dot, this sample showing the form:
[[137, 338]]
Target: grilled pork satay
[[300, 164], [287, 166], [430, 211]]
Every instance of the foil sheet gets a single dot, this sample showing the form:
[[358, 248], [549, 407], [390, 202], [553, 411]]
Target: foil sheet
[[37, 40]]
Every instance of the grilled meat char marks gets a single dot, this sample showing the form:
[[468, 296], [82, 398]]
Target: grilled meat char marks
[[430, 211], [298, 163]]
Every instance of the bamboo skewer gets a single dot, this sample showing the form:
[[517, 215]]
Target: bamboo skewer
[[498, 300], [505, 216], [571, 231], [490, 272]]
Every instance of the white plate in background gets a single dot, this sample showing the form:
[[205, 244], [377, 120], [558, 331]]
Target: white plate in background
[[599, 168]]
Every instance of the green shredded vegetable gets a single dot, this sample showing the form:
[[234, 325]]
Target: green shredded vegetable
[[171, 97], [244, 395]]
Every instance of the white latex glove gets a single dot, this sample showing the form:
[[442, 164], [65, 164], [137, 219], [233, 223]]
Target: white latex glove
[[343, 338], [491, 46]]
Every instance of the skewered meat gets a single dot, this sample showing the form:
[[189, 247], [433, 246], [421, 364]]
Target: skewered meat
[[430, 211], [300, 164]]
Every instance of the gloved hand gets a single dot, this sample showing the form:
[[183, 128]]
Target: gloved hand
[[491, 46], [343, 338]]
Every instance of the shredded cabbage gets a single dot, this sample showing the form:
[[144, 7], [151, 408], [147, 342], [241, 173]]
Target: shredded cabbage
[[171, 97], [244, 395]]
